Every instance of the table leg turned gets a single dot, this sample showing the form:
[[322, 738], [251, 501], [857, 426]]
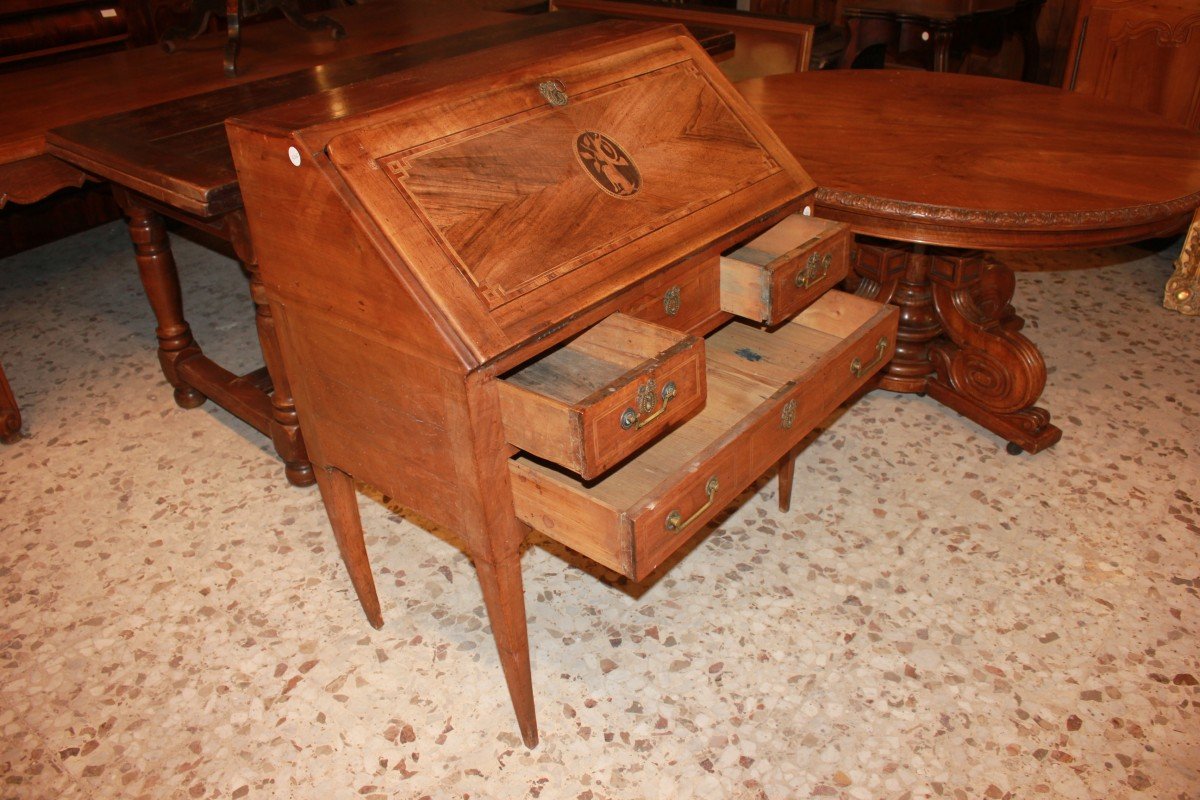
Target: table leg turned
[[1183, 287], [959, 339], [10, 413], [160, 279]]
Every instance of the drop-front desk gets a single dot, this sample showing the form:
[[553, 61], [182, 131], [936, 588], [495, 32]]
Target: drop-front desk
[[565, 283]]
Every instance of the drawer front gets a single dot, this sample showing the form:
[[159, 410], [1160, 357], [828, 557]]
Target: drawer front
[[807, 275], [685, 298], [767, 389], [771, 285], [727, 468], [591, 402], [639, 412]]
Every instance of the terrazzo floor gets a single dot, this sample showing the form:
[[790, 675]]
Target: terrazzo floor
[[934, 618]]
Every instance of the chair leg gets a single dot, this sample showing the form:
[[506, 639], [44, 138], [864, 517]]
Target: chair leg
[[341, 504]]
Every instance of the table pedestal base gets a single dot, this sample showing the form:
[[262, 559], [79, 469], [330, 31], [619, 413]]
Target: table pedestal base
[[959, 339], [1183, 287], [10, 413]]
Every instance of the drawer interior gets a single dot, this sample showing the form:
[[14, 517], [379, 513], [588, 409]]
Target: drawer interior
[[750, 371]]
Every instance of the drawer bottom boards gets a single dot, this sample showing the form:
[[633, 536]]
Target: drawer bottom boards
[[767, 389]]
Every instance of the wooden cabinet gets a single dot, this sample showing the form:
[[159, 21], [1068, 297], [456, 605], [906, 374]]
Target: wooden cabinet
[[1143, 53], [501, 299]]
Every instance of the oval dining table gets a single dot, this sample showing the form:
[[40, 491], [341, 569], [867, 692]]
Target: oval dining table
[[934, 170]]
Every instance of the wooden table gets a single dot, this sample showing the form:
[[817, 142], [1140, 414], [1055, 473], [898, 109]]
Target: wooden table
[[879, 22], [36, 100], [940, 167]]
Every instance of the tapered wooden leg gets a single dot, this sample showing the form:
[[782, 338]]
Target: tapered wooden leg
[[787, 471], [504, 596], [341, 504], [10, 413], [156, 267]]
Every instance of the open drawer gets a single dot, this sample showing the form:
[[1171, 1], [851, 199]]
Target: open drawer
[[766, 391], [785, 269], [591, 402]]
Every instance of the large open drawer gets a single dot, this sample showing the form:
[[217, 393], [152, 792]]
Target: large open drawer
[[766, 391]]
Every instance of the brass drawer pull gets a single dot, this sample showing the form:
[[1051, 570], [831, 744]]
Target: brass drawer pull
[[675, 520], [816, 269], [858, 369], [632, 418]]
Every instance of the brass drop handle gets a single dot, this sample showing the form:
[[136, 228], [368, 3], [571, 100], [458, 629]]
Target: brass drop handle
[[632, 418], [858, 369], [816, 269], [675, 520]]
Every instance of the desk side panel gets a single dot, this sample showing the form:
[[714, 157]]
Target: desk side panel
[[367, 366]]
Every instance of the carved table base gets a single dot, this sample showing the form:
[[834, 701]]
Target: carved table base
[[1183, 287], [261, 398], [959, 339]]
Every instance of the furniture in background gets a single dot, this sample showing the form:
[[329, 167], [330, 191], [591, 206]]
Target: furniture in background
[[57, 94], [524, 318], [10, 413], [764, 44], [943, 167], [1183, 288], [234, 13], [1144, 54], [901, 26]]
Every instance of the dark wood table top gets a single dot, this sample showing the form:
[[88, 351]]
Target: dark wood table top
[[966, 161], [177, 153], [933, 9], [36, 100]]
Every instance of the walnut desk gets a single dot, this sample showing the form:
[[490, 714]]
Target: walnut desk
[[173, 159], [939, 167]]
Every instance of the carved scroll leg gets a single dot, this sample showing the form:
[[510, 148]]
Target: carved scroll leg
[[986, 371], [233, 46], [1183, 287], [292, 13], [341, 504], [156, 266], [10, 413]]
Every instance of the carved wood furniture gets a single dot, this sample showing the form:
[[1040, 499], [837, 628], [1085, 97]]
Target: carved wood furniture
[[905, 24], [765, 44], [172, 159], [504, 284], [942, 167], [10, 413], [1183, 287], [1142, 53], [235, 11]]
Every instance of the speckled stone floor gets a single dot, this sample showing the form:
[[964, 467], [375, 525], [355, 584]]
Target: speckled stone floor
[[928, 621]]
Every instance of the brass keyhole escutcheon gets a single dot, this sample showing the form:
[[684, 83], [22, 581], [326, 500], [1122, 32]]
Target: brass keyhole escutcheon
[[788, 416], [554, 92], [633, 418], [671, 301]]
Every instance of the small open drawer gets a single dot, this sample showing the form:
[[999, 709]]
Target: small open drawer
[[591, 402], [785, 269], [766, 391]]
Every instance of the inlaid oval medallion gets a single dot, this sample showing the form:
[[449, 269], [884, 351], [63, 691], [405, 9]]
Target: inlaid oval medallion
[[608, 164]]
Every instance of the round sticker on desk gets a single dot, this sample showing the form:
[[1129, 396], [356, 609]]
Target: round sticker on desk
[[608, 164]]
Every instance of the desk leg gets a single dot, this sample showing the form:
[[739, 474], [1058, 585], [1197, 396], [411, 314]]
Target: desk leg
[[959, 338], [156, 267], [943, 33], [10, 413]]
